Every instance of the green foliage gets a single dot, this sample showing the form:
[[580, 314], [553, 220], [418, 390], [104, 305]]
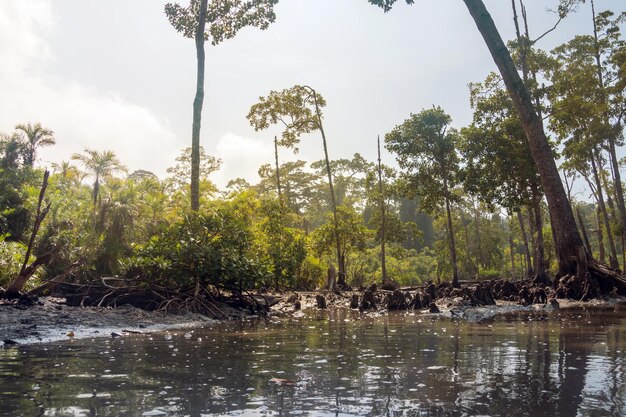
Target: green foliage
[[11, 259], [353, 234], [180, 174], [297, 109], [284, 247], [425, 148], [212, 248], [224, 17]]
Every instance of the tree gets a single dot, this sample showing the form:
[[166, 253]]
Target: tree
[[298, 109], [498, 165], [353, 235], [100, 165], [179, 173], [36, 137], [571, 256], [588, 108], [224, 19], [425, 149]]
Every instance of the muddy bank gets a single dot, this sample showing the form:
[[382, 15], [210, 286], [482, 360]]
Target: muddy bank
[[51, 319], [296, 304]]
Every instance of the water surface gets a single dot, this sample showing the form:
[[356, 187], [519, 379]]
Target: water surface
[[344, 364]]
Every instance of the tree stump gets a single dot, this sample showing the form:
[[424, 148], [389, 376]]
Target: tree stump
[[433, 308], [396, 301], [321, 301], [354, 301], [368, 301]]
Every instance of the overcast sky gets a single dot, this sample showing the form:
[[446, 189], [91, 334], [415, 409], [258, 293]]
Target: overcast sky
[[115, 75]]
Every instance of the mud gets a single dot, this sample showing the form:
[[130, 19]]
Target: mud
[[49, 319]]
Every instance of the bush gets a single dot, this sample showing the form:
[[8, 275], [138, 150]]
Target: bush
[[202, 248], [11, 259]]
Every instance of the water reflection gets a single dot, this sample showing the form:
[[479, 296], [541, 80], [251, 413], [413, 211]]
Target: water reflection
[[397, 365]]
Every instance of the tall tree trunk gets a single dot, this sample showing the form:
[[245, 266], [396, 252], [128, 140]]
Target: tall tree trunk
[[455, 269], [382, 216], [601, 249], [568, 246], [512, 249], [529, 271], [341, 282], [197, 109], [472, 264], [609, 234], [540, 264], [583, 229], [277, 169]]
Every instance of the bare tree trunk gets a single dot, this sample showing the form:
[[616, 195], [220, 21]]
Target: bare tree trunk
[[601, 249], [277, 168], [540, 264], [529, 270], [609, 234], [584, 231], [512, 249], [382, 215], [455, 269], [569, 244], [197, 109], [341, 282]]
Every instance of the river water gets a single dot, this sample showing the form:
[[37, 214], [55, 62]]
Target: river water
[[333, 364]]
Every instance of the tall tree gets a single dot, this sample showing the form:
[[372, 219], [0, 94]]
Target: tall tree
[[571, 256], [499, 168], [425, 149], [588, 105], [216, 20], [36, 137], [299, 110]]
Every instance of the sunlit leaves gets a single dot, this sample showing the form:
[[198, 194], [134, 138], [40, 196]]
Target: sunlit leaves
[[297, 110], [224, 17]]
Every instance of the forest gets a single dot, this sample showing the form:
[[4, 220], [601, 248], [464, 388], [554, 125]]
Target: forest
[[458, 203]]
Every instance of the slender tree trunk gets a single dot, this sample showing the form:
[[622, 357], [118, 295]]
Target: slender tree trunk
[[472, 264], [197, 109], [601, 249], [455, 269], [277, 168], [529, 271], [540, 265], [569, 245], [341, 282], [611, 206], [479, 252], [583, 229], [512, 249], [609, 234], [382, 215]]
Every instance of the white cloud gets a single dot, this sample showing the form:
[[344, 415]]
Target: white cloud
[[81, 116]]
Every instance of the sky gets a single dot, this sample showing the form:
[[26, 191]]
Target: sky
[[114, 75]]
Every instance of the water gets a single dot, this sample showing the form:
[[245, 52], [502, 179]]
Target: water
[[345, 365]]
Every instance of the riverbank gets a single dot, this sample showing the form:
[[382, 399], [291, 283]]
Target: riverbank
[[51, 320]]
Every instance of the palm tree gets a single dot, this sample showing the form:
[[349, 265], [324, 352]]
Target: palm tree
[[69, 175], [100, 165], [36, 137]]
